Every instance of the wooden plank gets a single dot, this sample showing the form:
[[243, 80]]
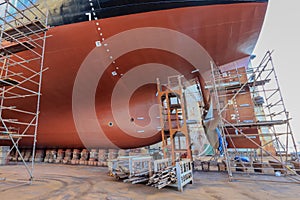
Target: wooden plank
[[23, 30], [15, 48]]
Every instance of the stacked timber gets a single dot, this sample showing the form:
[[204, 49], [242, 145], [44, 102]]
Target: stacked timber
[[112, 154], [60, 156], [278, 166], [75, 158], [14, 156], [135, 152], [3, 154], [8, 154], [53, 155], [93, 157], [222, 166], [84, 156], [123, 152], [163, 178], [197, 164], [39, 155], [19, 157], [50, 156], [102, 157], [242, 166], [144, 151], [68, 156], [258, 166], [27, 155], [296, 165], [48, 153]]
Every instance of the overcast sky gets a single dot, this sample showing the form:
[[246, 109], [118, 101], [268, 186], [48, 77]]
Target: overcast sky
[[281, 32]]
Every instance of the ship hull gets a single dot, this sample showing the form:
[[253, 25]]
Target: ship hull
[[100, 91]]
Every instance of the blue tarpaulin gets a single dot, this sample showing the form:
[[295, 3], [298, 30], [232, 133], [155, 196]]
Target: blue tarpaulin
[[242, 158], [220, 148]]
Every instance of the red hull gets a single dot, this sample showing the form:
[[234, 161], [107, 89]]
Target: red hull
[[113, 106]]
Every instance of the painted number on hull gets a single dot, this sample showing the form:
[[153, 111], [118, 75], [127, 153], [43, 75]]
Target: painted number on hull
[[89, 15]]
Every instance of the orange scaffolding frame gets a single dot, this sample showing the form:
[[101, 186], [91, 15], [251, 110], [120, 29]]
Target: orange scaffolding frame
[[173, 119]]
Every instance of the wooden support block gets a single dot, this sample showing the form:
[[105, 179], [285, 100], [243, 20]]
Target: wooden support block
[[205, 165], [221, 167], [258, 166]]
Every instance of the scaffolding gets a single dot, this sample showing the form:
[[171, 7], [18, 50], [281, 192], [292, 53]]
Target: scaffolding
[[23, 29], [255, 125], [173, 120]]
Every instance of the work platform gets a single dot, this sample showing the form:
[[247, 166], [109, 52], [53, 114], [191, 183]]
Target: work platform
[[15, 48], [23, 30], [256, 124]]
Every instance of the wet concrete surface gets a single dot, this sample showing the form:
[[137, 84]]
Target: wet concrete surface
[[67, 182]]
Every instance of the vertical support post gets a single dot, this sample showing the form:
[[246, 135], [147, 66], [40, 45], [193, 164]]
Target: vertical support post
[[39, 95], [221, 123], [178, 175], [161, 116], [130, 166]]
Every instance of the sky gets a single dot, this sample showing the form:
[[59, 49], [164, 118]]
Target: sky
[[281, 33]]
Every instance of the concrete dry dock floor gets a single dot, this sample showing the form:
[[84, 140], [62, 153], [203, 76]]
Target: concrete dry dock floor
[[66, 182]]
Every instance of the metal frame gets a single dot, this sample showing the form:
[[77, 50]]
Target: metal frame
[[173, 118], [272, 122], [184, 174], [22, 46]]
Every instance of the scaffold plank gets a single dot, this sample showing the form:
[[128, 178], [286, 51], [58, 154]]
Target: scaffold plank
[[24, 30], [15, 48], [256, 124]]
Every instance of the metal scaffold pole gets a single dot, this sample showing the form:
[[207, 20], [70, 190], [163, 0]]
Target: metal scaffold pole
[[221, 122], [22, 49]]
